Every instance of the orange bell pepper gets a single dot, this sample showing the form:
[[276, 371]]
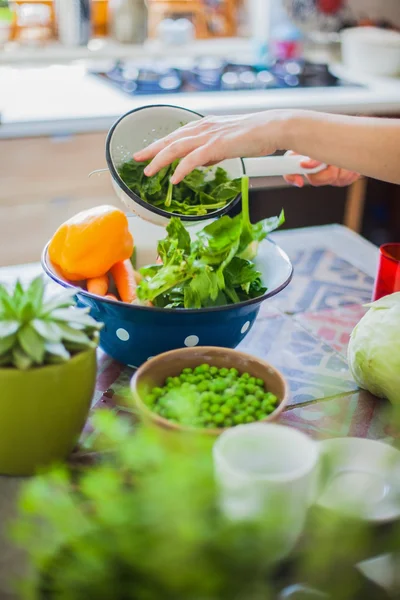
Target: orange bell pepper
[[91, 242]]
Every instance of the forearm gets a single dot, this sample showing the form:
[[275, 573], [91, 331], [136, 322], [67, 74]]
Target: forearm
[[369, 146]]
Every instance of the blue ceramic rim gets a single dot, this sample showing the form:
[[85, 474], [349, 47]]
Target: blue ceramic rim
[[257, 300], [147, 205]]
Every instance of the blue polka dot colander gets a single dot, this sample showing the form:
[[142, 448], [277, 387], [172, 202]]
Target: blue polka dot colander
[[132, 333]]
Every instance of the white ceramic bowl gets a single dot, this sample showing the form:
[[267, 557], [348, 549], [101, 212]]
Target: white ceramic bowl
[[371, 50]]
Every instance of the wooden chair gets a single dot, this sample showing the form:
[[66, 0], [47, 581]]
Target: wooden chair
[[354, 207]]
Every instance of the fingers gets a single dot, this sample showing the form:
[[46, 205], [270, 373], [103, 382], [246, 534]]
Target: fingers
[[296, 180], [199, 157], [171, 152], [153, 149]]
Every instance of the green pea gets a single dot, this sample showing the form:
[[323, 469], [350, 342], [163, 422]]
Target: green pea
[[218, 418], [266, 405], [203, 386], [245, 376], [252, 380], [207, 396], [228, 422], [226, 410], [168, 380], [220, 385], [259, 394], [213, 370], [238, 419], [223, 372], [187, 371], [150, 399], [249, 419], [234, 372], [260, 415], [183, 377], [240, 392], [271, 397], [251, 388], [205, 406], [232, 402], [256, 404], [250, 410], [206, 416], [250, 398], [214, 408], [157, 391], [259, 382]]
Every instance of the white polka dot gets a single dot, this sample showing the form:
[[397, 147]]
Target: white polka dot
[[191, 340], [122, 334], [245, 327]]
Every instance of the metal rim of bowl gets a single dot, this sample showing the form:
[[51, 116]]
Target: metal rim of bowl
[[166, 424], [46, 268], [137, 199]]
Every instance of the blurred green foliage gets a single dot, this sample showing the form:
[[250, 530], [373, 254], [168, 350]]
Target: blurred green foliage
[[143, 523]]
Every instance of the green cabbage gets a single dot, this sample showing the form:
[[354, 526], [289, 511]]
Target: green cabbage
[[374, 349]]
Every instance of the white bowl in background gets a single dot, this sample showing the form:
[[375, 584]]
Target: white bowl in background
[[371, 50]]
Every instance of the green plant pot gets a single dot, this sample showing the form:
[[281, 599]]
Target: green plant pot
[[43, 412]]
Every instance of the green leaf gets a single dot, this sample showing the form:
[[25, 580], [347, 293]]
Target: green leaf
[[21, 360], [9, 310], [75, 315], [58, 350], [6, 343], [32, 343], [35, 292], [26, 310], [62, 300], [18, 292], [217, 239], [168, 198], [8, 328], [202, 286], [47, 329], [73, 335], [198, 194]]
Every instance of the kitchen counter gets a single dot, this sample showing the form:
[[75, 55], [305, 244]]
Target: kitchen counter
[[64, 99]]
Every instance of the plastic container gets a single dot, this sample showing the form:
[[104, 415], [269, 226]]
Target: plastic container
[[388, 276]]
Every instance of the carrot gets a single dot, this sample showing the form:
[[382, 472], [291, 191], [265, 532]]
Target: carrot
[[98, 285], [111, 297], [124, 277]]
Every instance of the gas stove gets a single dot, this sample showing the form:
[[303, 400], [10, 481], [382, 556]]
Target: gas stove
[[211, 75]]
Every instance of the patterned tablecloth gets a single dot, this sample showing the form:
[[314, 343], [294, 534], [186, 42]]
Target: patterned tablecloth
[[304, 332]]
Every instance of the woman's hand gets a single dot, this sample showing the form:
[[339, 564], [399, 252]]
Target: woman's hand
[[329, 176], [213, 139]]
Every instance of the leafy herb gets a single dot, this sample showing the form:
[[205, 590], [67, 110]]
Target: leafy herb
[[213, 269], [36, 332], [198, 194]]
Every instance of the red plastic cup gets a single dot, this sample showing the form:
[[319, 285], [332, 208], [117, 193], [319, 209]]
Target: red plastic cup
[[388, 277]]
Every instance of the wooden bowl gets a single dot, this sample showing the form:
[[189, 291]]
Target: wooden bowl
[[155, 371]]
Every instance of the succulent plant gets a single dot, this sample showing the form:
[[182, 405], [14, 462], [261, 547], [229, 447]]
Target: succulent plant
[[36, 331]]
